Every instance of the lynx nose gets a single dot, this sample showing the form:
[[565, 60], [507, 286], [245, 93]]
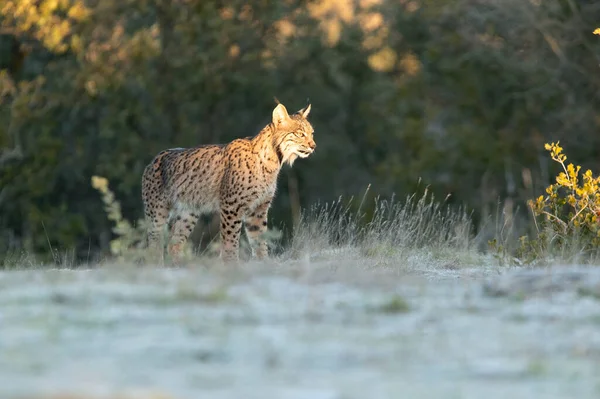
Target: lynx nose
[[312, 145]]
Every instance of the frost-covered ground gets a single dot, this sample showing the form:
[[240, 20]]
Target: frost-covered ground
[[334, 328]]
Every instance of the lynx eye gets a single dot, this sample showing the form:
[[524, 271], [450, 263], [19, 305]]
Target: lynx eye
[[300, 133]]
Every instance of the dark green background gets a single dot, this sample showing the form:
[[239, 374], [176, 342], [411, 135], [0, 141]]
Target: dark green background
[[476, 89]]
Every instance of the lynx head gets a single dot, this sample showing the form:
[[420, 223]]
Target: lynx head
[[293, 133]]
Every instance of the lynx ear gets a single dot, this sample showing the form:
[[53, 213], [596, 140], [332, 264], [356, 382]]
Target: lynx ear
[[280, 114], [305, 111]]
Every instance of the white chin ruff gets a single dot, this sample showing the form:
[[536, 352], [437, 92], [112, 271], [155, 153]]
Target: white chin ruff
[[289, 158]]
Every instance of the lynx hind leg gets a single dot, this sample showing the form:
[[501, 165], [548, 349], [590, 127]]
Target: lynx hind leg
[[231, 227], [183, 226], [157, 215], [256, 227]]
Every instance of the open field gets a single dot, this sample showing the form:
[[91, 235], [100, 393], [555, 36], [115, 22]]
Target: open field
[[329, 326], [438, 130]]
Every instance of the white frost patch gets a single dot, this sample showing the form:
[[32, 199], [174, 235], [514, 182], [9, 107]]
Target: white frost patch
[[316, 330]]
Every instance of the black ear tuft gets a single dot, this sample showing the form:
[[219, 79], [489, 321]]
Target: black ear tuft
[[305, 111]]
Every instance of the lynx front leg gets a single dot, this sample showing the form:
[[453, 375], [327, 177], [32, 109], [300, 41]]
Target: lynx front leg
[[231, 226], [256, 227], [182, 228]]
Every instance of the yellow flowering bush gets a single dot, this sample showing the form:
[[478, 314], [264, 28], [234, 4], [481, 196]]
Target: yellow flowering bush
[[571, 207], [128, 236]]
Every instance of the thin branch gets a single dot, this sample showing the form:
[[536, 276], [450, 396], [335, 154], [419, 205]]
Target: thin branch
[[10, 155], [578, 212], [564, 225]]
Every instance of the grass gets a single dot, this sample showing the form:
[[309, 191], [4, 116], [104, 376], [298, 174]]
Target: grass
[[340, 261], [592, 292], [414, 231], [215, 295], [396, 304], [393, 233]]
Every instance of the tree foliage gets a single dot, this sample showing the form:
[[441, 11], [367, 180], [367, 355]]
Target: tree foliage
[[459, 94]]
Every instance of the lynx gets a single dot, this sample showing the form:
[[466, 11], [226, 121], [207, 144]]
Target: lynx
[[237, 179]]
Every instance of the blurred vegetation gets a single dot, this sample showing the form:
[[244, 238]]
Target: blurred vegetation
[[458, 94]]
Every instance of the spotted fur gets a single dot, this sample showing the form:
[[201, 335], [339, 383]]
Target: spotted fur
[[237, 179]]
